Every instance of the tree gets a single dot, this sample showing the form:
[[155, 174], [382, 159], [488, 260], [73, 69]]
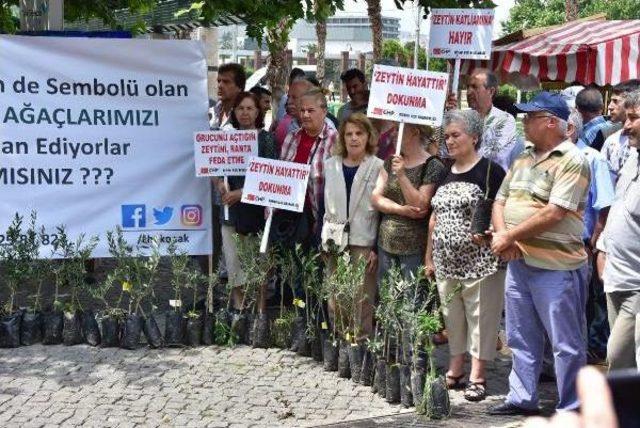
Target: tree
[[77, 10], [374, 10], [526, 14], [322, 10], [271, 20]]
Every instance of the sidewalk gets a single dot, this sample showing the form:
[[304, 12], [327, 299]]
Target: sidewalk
[[212, 386]]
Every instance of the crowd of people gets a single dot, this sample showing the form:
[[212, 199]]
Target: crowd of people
[[560, 260]]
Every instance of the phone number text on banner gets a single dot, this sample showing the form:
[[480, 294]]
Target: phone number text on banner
[[407, 95], [224, 153], [276, 184]]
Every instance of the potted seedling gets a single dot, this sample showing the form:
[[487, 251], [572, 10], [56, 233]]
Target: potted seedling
[[175, 327], [349, 276], [282, 326], [110, 317], [310, 344], [257, 268], [17, 255], [481, 218], [373, 351], [143, 270], [32, 325], [73, 257], [194, 279], [391, 293], [331, 343], [435, 398]]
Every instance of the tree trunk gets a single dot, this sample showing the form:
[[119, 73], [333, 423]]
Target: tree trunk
[[571, 10], [277, 39], [321, 33], [375, 17]]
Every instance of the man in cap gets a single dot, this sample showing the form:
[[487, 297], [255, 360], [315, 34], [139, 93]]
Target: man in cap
[[538, 222]]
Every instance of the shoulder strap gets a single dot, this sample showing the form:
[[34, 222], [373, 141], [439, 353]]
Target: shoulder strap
[[367, 176]]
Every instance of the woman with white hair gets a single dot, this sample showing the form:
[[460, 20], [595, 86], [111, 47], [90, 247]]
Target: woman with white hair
[[470, 278]]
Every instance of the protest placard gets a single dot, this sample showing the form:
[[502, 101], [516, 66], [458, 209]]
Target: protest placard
[[275, 184], [98, 141], [224, 153], [461, 33], [407, 95]]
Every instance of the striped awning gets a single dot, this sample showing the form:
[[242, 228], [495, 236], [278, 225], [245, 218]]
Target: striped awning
[[601, 52]]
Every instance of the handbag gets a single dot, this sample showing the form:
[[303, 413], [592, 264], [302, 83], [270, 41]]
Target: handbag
[[335, 236]]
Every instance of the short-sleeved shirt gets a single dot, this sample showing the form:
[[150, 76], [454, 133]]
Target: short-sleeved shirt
[[401, 235], [561, 178], [499, 137], [622, 233], [455, 255], [601, 191], [616, 150]]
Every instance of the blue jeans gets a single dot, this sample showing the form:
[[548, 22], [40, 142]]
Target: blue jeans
[[539, 301]]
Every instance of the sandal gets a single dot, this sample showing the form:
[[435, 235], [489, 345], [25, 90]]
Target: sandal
[[456, 383], [475, 391]]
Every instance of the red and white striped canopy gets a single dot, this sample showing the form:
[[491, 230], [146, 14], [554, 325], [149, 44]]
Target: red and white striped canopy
[[585, 52]]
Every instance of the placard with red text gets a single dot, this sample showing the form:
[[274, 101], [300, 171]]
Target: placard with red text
[[224, 153], [276, 184], [461, 33], [407, 95]]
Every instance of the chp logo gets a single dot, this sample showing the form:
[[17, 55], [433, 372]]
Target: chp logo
[[383, 112], [191, 215], [254, 198], [441, 51]]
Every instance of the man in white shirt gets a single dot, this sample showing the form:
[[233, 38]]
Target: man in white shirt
[[616, 148], [500, 141], [622, 243]]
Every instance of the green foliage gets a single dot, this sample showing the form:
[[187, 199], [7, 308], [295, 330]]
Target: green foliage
[[223, 335], [9, 16], [392, 48], [528, 14], [256, 268], [281, 329], [433, 4], [348, 278], [71, 271], [135, 268], [18, 255]]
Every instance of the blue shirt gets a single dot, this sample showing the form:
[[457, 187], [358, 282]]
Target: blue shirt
[[601, 192], [591, 129]]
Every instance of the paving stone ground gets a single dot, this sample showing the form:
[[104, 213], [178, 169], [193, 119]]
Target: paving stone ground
[[46, 386]]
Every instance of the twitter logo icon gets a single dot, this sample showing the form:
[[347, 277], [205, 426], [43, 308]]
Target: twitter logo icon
[[162, 216]]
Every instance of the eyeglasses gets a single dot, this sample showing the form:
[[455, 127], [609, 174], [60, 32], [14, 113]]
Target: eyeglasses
[[532, 117]]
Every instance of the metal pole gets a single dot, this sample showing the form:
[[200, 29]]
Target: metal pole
[[416, 47]]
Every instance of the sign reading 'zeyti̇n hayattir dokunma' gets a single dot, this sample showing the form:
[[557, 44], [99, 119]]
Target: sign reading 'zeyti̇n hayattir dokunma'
[[407, 95], [276, 184], [224, 153], [461, 33]]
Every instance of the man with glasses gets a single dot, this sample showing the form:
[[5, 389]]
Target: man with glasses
[[538, 222], [621, 239]]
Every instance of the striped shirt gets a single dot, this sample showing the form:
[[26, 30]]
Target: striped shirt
[[324, 142], [561, 178]]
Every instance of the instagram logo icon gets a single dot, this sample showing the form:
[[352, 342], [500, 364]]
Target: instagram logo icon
[[191, 215]]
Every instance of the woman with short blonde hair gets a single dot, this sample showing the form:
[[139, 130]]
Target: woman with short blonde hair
[[361, 121]]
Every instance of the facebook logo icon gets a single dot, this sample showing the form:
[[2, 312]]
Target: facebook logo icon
[[134, 216]]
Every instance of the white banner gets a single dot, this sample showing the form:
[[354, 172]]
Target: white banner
[[461, 33], [407, 95], [224, 153], [276, 184], [94, 135]]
